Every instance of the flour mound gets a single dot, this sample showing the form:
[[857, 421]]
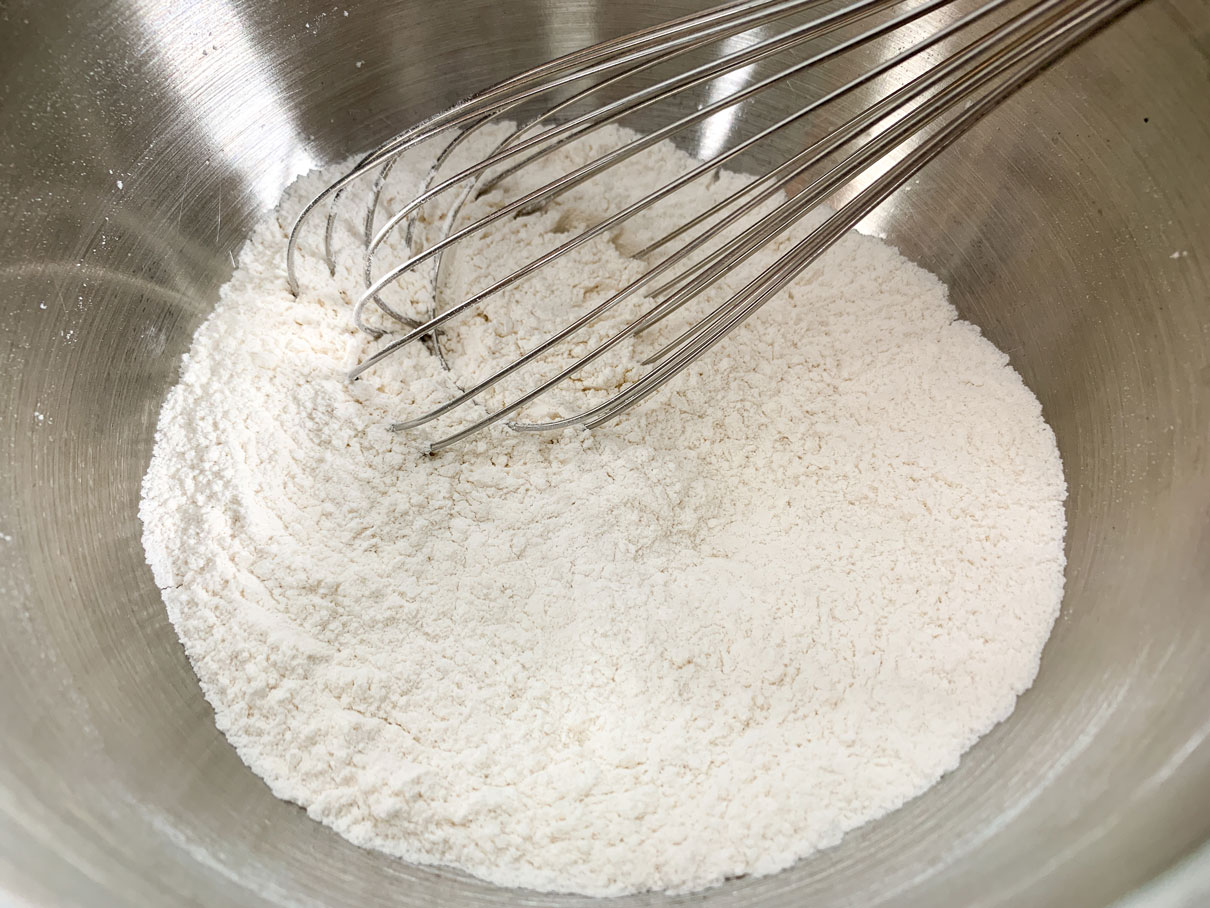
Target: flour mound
[[773, 603]]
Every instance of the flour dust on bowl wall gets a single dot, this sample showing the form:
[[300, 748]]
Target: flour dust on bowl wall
[[698, 643], [895, 598]]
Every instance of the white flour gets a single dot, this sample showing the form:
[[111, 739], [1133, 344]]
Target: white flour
[[772, 604]]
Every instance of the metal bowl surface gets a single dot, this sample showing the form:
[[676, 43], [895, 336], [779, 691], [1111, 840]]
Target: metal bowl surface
[[139, 142]]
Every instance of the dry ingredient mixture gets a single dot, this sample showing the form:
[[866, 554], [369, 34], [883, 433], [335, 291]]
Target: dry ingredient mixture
[[772, 604]]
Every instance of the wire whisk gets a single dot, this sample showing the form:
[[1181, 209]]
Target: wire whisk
[[960, 62]]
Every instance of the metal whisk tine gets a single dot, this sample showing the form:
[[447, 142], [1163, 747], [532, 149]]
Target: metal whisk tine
[[510, 93], [889, 140], [546, 144], [475, 184], [385, 156], [601, 163], [738, 308], [741, 248], [549, 115], [630, 104], [811, 155]]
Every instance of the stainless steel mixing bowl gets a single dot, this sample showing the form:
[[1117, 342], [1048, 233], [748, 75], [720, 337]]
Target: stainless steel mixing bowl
[[139, 141]]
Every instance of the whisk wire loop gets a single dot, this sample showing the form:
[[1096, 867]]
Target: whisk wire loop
[[888, 141]]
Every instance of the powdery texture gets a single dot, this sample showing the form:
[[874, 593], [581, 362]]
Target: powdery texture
[[772, 604]]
